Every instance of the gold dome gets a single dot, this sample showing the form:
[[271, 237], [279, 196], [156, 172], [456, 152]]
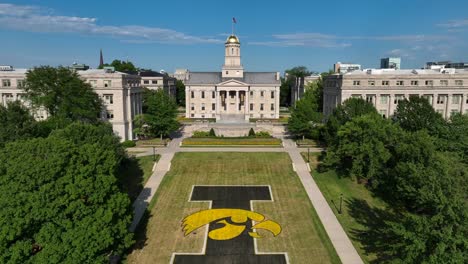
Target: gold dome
[[232, 40]]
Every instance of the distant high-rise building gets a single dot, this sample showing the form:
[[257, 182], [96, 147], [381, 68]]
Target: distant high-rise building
[[340, 67], [390, 63], [446, 64]]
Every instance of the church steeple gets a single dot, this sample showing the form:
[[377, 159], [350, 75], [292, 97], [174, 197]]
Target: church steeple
[[232, 67], [101, 60]]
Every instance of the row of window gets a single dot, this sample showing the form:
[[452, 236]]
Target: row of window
[[213, 94], [7, 83], [412, 83], [152, 82], [441, 99], [213, 107]]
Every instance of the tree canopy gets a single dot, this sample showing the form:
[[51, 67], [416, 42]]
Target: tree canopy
[[305, 117], [62, 93], [122, 66], [60, 199], [16, 122], [180, 93], [161, 113]]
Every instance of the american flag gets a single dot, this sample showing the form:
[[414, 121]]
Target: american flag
[[234, 20]]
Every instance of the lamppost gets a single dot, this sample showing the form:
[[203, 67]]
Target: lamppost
[[308, 154], [154, 153]]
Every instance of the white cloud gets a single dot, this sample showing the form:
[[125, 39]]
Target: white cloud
[[453, 24], [31, 18]]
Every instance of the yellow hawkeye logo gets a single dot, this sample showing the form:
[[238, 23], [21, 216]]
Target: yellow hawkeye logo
[[238, 219]]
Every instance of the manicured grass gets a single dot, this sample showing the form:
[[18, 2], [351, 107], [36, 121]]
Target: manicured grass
[[134, 173], [231, 141], [356, 198], [302, 237], [307, 143]]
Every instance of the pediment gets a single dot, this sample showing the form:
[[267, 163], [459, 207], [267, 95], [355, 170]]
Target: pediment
[[232, 82]]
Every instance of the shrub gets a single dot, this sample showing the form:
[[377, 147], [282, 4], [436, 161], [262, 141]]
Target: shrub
[[128, 144], [201, 134], [251, 132], [262, 134], [212, 133]]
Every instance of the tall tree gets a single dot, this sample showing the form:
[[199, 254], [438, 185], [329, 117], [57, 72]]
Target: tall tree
[[305, 117], [180, 93], [454, 137], [352, 107], [16, 122], [285, 92], [363, 146], [61, 202], [63, 94], [298, 71], [161, 113], [416, 114]]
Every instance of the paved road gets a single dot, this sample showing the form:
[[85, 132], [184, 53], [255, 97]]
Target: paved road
[[338, 237]]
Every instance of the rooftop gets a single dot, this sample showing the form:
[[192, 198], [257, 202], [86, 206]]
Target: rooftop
[[216, 77], [406, 71]]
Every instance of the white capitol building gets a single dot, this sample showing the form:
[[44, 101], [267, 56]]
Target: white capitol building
[[232, 95]]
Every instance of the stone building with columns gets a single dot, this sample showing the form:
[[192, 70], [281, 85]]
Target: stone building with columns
[[121, 94], [445, 89], [232, 95]]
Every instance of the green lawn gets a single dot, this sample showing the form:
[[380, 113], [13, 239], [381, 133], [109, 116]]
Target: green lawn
[[152, 142], [231, 142], [134, 173], [358, 203], [303, 236]]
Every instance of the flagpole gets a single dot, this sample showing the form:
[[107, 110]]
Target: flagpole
[[232, 32]]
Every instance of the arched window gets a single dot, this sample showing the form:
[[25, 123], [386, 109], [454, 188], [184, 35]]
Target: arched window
[[232, 51]]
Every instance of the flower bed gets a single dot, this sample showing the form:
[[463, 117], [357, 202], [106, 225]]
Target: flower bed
[[231, 142]]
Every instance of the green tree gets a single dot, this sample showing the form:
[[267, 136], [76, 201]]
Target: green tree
[[122, 66], [350, 108], [285, 92], [363, 147], [454, 137], [251, 132], [141, 127], [161, 113], [63, 94], [61, 202], [305, 117], [416, 114], [298, 71], [16, 122], [180, 93]]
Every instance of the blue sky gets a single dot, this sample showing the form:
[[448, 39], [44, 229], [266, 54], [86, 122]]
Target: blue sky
[[275, 35]]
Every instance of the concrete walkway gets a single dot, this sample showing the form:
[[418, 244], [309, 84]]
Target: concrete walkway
[[342, 244]]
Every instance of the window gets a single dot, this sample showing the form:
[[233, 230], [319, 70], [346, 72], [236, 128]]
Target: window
[[192, 115], [251, 107], [202, 94], [227, 72], [154, 81], [398, 98], [203, 107], [356, 82], [414, 82], [261, 107], [192, 94], [384, 99], [232, 51], [6, 83], [453, 112], [272, 108], [429, 82], [428, 97], [399, 83], [109, 99], [21, 83], [107, 83], [261, 93], [272, 94], [385, 82], [213, 107], [383, 113], [444, 82], [93, 83], [251, 93], [213, 95], [110, 114], [440, 99], [192, 107], [146, 82], [456, 99], [459, 82], [370, 98], [371, 83]]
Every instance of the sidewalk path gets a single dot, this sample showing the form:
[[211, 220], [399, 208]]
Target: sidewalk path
[[341, 242]]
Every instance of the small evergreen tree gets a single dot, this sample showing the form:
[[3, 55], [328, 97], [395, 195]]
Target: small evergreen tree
[[212, 133], [251, 132]]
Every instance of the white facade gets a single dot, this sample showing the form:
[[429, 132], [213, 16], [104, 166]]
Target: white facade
[[232, 93], [120, 93], [445, 89]]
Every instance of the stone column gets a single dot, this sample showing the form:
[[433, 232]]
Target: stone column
[[218, 102], [448, 111], [247, 102], [237, 101], [462, 109], [390, 102]]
